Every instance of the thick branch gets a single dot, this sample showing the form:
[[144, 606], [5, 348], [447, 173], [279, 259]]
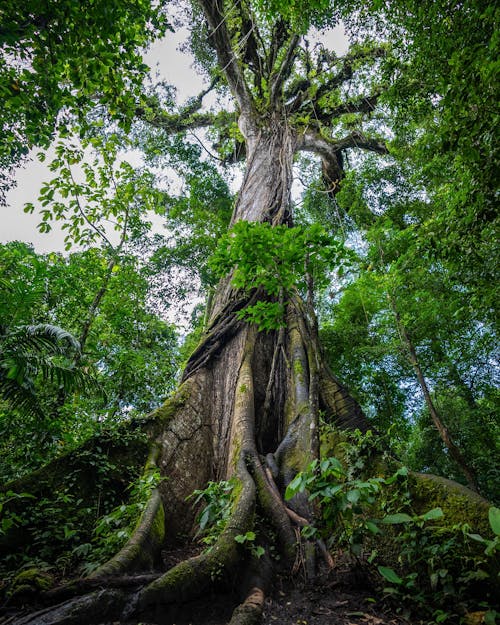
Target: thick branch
[[228, 61], [358, 139], [284, 71], [299, 93], [175, 122], [347, 70], [330, 148], [249, 40], [365, 104]]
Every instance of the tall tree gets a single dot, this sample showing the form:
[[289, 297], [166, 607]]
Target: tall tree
[[251, 392]]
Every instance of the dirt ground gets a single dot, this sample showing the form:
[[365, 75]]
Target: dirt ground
[[340, 596]]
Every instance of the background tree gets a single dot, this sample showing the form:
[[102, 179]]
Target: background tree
[[124, 333]]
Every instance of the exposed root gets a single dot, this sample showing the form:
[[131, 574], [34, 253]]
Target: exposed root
[[98, 607], [274, 509], [250, 611], [256, 585], [192, 577], [87, 584], [143, 547]]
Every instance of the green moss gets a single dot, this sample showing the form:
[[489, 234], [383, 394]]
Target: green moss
[[243, 388], [297, 367], [459, 504], [296, 459], [158, 527], [167, 411], [30, 581]]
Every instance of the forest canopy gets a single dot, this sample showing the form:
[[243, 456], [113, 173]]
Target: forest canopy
[[343, 294]]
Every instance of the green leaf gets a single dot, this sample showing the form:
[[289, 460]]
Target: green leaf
[[373, 527], [390, 575], [477, 537], [494, 518], [394, 519], [435, 513], [490, 617], [353, 496], [295, 486]]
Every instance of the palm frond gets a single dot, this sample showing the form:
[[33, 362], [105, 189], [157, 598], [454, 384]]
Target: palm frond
[[41, 351]]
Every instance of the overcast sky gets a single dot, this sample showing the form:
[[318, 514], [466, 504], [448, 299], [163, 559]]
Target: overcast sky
[[174, 67]]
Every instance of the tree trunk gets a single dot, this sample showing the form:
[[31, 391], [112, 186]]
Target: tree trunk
[[247, 408]]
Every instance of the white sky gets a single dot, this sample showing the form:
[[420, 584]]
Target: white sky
[[172, 66]]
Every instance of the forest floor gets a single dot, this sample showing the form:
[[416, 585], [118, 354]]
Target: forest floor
[[342, 595]]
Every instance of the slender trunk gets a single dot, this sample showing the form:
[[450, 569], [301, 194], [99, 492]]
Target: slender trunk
[[461, 386], [455, 452], [94, 307], [87, 324]]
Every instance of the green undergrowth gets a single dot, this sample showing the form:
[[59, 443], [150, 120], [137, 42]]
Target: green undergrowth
[[66, 517], [431, 548], [216, 503]]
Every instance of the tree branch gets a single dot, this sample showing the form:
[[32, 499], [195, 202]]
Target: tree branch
[[337, 79], [328, 148], [365, 104], [358, 139], [330, 151], [284, 71], [175, 122], [228, 61], [196, 102]]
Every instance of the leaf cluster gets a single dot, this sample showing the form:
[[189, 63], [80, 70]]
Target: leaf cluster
[[276, 260], [68, 57]]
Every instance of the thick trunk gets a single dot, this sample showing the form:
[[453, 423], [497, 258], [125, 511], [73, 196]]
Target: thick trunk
[[247, 407]]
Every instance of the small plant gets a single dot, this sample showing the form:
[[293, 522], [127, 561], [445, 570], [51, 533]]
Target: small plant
[[343, 502], [491, 546], [213, 517], [113, 530], [9, 518], [431, 567], [430, 573], [248, 540]]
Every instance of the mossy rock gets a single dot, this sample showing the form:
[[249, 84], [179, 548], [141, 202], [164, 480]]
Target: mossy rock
[[28, 583], [458, 503]]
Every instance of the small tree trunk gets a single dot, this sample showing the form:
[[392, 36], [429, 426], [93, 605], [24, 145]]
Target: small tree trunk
[[455, 452]]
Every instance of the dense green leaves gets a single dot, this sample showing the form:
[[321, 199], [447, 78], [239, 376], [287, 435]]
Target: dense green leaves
[[130, 350], [277, 260], [60, 60]]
